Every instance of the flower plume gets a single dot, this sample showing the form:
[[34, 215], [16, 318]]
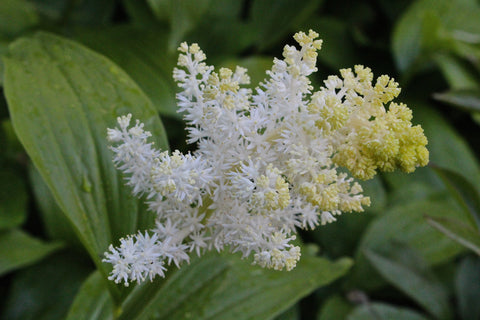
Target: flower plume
[[267, 161]]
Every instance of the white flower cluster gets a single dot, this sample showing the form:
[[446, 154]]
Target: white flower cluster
[[265, 164]]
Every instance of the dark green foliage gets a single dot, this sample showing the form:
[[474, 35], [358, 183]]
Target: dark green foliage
[[70, 67]]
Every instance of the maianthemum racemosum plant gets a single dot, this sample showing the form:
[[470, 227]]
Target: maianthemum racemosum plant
[[267, 161]]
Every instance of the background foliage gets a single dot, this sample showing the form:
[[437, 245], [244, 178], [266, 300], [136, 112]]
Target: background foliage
[[70, 67]]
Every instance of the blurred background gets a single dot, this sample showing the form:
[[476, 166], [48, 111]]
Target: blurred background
[[416, 249]]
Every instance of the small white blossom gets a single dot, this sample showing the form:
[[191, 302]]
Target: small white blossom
[[267, 163]]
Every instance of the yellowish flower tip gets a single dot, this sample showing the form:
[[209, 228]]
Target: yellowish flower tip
[[329, 111], [222, 87], [278, 194]]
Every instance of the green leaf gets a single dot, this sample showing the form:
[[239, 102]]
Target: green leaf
[[405, 270], [467, 285], [62, 98], [458, 74], [18, 249], [384, 311], [457, 230], [292, 313], [235, 292], [143, 55], [140, 13], [465, 193], [92, 301], [56, 224], [216, 287], [85, 12], [16, 16], [274, 19], [182, 16], [428, 25], [335, 308], [13, 199], [46, 290], [405, 223], [468, 100], [3, 49]]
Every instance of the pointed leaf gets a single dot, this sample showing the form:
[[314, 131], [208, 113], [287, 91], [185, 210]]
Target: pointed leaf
[[465, 99], [92, 301], [406, 271], [62, 98], [459, 75], [457, 230], [18, 249], [463, 191], [405, 223]]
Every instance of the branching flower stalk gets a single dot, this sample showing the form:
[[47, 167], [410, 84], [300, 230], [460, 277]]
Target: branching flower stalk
[[267, 161]]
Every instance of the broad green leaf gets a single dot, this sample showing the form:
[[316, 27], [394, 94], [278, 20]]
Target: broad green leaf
[[457, 230], [467, 286], [56, 224], [92, 301], [235, 292], [13, 199], [62, 98], [16, 16], [406, 271], [274, 19], [214, 287], [465, 99], [405, 223], [465, 193], [384, 311], [46, 290], [18, 249], [335, 308], [144, 56]]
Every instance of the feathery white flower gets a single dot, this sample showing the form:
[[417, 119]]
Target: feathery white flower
[[267, 162]]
